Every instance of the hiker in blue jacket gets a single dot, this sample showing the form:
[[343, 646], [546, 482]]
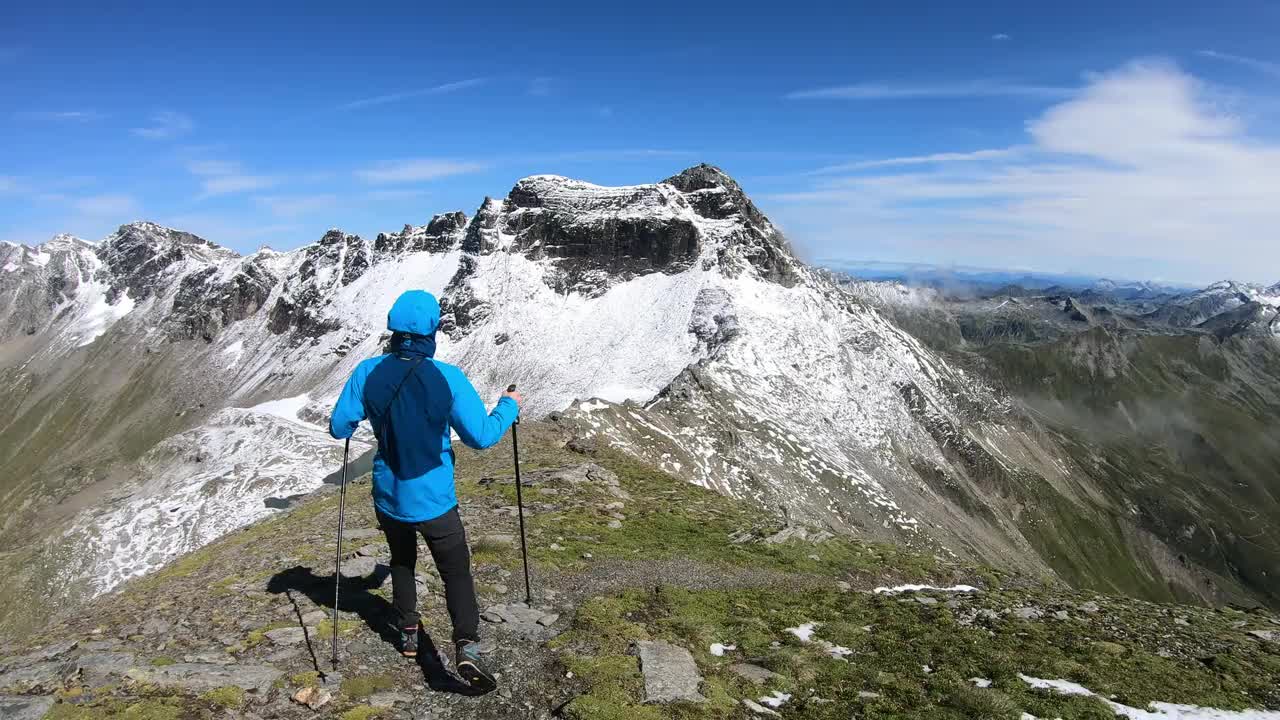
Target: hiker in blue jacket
[[413, 401]]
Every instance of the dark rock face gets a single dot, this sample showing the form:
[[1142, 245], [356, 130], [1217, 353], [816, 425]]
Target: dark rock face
[[599, 235], [715, 195], [442, 234], [593, 231], [337, 260], [459, 307], [143, 258], [482, 233], [202, 308], [1252, 319]]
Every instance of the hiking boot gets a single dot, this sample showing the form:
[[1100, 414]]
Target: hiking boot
[[469, 667], [409, 641]]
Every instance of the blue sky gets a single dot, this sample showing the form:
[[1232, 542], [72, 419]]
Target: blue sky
[[1136, 141]]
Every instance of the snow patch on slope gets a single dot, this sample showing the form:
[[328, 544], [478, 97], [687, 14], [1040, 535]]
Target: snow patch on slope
[[285, 409], [625, 344], [1158, 711], [198, 485]]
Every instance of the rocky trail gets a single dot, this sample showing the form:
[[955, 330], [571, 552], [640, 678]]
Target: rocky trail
[[653, 598]]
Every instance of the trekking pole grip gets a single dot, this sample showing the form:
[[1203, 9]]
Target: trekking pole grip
[[512, 388]]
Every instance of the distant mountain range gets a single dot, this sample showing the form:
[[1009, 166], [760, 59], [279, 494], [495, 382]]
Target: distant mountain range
[[964, 279]]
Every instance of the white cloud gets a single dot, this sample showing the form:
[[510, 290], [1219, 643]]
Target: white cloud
[[1263, 66], [61, 115], [931, 159], [399, 194], [225, 177], [164, 125], [1140, 168], [227, 184], [206, 168], [396, 97], [1000, 36], [893, 91], [109, 204], [417, 170], [289, 206]]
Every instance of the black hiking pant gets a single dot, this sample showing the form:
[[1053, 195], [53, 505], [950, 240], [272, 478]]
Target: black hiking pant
[[447, 541]]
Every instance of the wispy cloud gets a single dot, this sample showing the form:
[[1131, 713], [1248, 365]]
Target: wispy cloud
[[1141, 163], [227, 184], [422, 92], [540, 86], [931, 159], [165, 125], [60, 115], [1000, 36], [205, 168], [417, 170], [110, 204], [290, 206], [398, 194], [1263, 66], [225, 177], [619, 154], [893, 91]]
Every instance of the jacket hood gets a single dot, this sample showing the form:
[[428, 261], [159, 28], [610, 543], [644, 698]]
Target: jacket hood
[[415, 312]]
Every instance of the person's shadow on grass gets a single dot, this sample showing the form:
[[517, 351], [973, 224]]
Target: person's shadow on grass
[[354, 596]]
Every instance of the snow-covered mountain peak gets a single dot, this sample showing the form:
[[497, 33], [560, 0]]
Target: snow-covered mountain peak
[[66, 240]]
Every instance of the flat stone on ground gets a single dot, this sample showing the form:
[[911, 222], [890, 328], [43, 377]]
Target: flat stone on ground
[[361, 533], [670, 674], [315, 617], [1268, 635], [97, 669], [753, 673], [46, 676], [202, 677], [286, 636], [389, 698], [358, 567], [24, 708]]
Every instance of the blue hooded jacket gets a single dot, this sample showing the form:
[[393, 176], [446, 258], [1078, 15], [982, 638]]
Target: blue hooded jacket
[[412, 401]]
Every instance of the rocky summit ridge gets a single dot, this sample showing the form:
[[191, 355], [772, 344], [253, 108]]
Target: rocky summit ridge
[[167, 392]]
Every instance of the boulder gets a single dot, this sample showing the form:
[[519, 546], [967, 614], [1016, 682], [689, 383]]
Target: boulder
[[313, 697]]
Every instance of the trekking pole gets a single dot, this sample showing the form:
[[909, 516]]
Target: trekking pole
[[337, 571], [524, 550]]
